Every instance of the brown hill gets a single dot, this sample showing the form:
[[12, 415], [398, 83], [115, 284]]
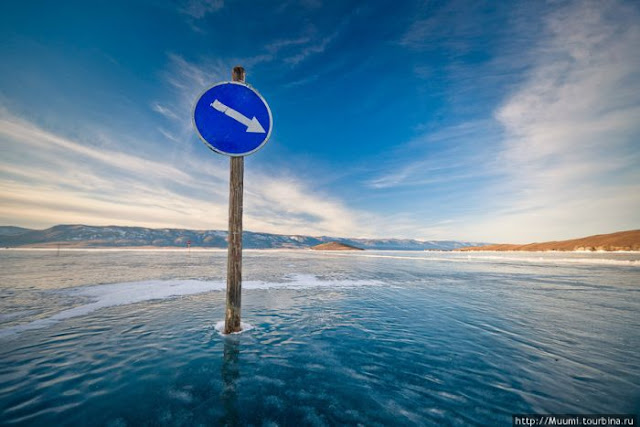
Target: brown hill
[[335, 246], [621, 241]]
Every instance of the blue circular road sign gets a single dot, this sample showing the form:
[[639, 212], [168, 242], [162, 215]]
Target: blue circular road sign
[[233, 119]]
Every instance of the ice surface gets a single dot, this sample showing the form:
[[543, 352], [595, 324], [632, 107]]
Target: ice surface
[[464, 339], [110, 295]]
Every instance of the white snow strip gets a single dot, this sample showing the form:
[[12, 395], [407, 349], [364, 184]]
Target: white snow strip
[[103, 296], [512, 258], [245, 328]]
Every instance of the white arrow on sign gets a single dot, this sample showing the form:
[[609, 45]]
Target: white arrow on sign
[[253, 125]]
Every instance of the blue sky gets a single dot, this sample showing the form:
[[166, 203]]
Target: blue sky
[[487, 121]]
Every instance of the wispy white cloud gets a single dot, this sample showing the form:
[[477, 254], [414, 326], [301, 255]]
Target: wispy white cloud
[[200, 8], [185, 82], [169, 135], [20, 133], [167, 112], [278, 45], [184, 75], [571, 152], [453, 25], [564, 160], [311, 4], [311, 49], [69, 182], [458, 152], [310, 44]]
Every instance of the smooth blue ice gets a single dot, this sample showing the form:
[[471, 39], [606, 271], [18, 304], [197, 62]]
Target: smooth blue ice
[[394, 338]]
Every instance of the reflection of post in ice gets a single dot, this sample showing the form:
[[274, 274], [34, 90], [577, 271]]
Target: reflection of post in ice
[[230, 375]]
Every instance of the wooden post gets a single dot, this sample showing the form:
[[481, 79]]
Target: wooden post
[[234, 259]]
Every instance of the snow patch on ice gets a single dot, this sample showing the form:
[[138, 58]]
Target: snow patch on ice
[[246, 327], [553, 260], [110, 295], [511, 257]]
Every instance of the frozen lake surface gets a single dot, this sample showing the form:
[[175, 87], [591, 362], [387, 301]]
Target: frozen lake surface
[[116, 337]]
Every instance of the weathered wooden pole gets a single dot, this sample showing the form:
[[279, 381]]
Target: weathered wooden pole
[[233, 119], [234, 259]]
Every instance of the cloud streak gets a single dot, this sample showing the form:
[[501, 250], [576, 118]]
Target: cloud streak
[[558, 158], [198, 9], [571, 150], [70, 182]]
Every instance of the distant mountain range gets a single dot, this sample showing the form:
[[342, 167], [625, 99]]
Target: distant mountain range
[[620, 241], [85, 236]]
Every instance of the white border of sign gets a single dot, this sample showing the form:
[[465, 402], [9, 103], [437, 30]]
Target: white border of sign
[[208, 145]]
